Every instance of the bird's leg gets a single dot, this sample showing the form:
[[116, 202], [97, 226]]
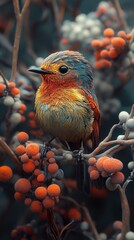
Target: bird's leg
[[48, 143], [78, 156], [81, 170], [68, 147]]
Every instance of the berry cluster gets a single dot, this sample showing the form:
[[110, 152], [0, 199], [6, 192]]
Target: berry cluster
[[112, 47], [107, 167], [38, 188], [10, 95], [24, 232]]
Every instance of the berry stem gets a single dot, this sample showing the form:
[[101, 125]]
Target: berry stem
[[125, 212]]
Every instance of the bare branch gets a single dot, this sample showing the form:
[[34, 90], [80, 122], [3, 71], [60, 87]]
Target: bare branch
[[4, 79], [86, 216], [125, 212], [119, 13], [19, 17], [10, 153]]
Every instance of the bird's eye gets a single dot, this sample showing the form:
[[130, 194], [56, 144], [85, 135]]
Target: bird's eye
[[63, 69]]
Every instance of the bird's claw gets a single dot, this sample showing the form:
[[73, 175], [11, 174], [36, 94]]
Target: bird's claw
[[78, 155]]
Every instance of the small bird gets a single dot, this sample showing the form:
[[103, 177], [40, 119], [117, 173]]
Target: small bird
[[66, 104]]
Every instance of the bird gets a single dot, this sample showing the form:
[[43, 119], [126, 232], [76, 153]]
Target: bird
[[66, 104], [67, 107]]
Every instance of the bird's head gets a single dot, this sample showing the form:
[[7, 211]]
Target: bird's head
[[65, 66]]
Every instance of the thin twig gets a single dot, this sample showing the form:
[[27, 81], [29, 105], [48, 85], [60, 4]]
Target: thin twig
[[86, 215], [125, 212], [10, 153], [66, 227], [119, 13], [19, 18], [4, 79], [54, 231]]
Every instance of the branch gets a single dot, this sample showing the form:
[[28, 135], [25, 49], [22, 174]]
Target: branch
[[4, 79], [125, 212], [86, 215], [119, 14], [10, 153], [19, 18], [54, 231]]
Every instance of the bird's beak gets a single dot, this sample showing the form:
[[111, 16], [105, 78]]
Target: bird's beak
[[39, 70]]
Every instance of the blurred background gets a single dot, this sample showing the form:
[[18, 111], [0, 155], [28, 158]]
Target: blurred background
[[50, 26]]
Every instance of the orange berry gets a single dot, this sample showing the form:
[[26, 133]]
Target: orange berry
[[97, 55], [112, 165], [98, 193], [28, 201], [64, 41], [31, 115], [28, 167], [108, 32], [117, 225], [105, 42], [18, 196], [11, 84], [118, 42], [22, 185], [41, 192], [14, 233], [104, 54], [92, 161], [128, 37], [48, 202], [36, 157], [22, 107], [43, 215], [50, 154], [74, 214], [53, 190], [15, 91], [94, 174], [36, 206], [6, 173], [100, 161], [32, 149], [91, 168], [24, 158], [2, 87], [36, 163], [41, 177], [96, 43], [121, 34], [102, 10], [104, 174], [117, 178], [37, 171], [20, 150], [103, 63], [23, 118], [113, 53], [22, 137], [51, 160], [53, 168]]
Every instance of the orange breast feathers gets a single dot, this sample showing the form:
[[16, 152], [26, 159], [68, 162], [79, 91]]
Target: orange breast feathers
[[67, 112]]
